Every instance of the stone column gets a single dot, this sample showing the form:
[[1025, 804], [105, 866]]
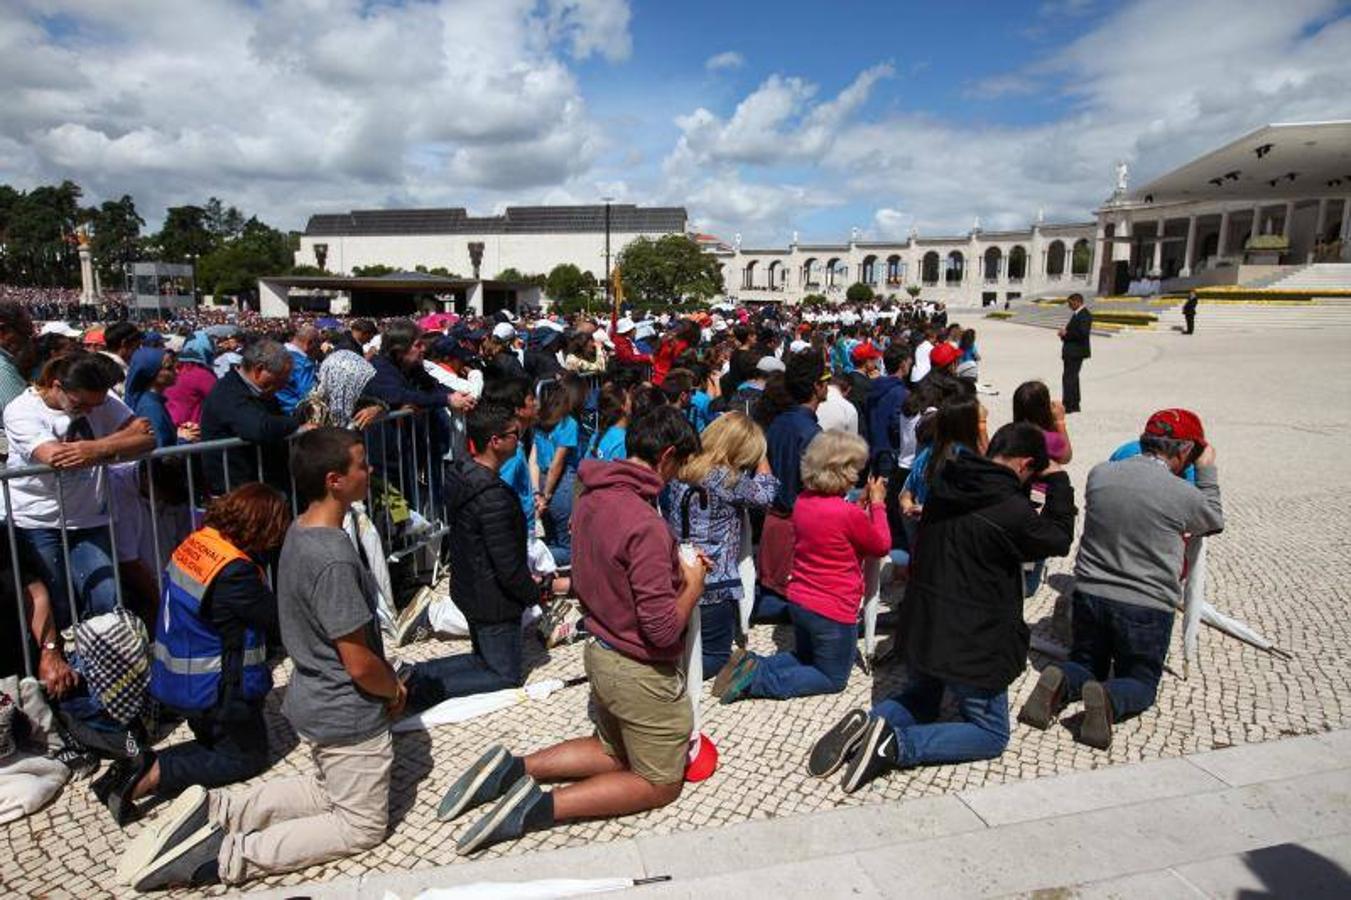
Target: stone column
[[1188, 257], [1289, 219], [1121, 249], [1156, 269], [1345, 232], [1256, 221], [1320, 220], [86, 274], [1222, 245]]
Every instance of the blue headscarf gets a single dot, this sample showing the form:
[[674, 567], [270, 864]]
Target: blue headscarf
[[197, 349], [145, 366]]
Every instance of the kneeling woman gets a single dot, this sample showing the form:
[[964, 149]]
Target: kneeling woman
[[832, 538], [216, 616]]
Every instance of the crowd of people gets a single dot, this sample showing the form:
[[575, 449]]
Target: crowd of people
[[629, 469]]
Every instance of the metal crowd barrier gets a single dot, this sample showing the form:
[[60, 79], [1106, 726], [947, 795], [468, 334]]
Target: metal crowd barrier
[[416, 475]]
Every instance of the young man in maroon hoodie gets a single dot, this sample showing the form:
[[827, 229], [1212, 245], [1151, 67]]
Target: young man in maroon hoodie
[[638, 596]]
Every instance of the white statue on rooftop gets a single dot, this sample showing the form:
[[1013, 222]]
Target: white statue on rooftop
[[1122, 176]]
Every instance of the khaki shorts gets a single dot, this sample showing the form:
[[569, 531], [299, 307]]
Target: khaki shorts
[[641, 713]]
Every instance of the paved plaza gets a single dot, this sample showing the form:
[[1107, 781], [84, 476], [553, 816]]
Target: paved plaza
[[1277, 406]]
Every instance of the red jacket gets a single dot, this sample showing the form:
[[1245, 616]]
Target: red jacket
[[625, 351], [625, 565], [667, 353]]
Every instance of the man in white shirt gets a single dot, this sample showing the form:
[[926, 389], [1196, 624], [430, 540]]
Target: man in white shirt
[[922, 355], [836, 413]]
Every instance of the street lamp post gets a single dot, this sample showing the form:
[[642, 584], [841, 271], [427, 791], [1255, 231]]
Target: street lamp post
[[609, 302]]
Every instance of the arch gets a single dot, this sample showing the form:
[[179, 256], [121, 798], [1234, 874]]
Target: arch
[[1017, 263], [956, 268], [895, 270], [994, 257], [1081, 257], [929, 268], [748, 275], [837, 272], [868, 271], [1055, 259], [811, 272], [773, 272]]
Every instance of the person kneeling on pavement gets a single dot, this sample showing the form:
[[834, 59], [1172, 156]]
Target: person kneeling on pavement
[[341, 699], [962, 617], [217, 617], [638, 595], [1140, 512]]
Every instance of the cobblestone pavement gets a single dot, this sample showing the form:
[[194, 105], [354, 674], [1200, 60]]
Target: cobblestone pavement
[[1279, 413]]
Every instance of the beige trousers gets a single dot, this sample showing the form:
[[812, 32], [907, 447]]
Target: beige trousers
[[280, 826]]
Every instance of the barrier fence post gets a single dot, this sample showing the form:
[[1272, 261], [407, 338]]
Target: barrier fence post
[[154, 526], [24, 636], [65, 548], [108, 486], [192, 499]]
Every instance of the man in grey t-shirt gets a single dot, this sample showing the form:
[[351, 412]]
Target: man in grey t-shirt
[[342, 696]]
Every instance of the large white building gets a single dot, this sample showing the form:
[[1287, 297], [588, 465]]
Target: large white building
[[1288, 185], [530, 239]]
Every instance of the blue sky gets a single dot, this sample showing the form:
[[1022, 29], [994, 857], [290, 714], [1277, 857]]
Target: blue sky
[[761, 118]]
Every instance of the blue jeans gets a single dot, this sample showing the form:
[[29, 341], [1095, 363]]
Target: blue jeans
[[717, 629], [982, 733], [494, 665], [769, 608], [225, 751], [1126, 642], [92, 570], [557, 518], [823, 653]]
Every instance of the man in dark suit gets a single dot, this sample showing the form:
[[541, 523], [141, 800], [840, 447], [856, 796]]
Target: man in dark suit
[[1074, 349], [1189, 312]]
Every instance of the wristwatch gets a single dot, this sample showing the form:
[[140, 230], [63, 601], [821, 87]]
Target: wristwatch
[[51, 645]]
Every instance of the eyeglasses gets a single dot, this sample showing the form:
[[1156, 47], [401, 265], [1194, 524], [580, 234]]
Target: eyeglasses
[[514, 432]]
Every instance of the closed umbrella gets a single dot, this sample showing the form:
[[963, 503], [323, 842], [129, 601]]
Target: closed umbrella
[[745, 565], [533, 890], [1196, 610], [462, 709], [703, 756]]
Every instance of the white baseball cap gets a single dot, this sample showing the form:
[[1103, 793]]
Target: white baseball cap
[[504, 331], [602, 336], [769, 364], [624, 326], [798, 346]]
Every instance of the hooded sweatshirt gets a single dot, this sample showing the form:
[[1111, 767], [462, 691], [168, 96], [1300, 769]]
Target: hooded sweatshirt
[[885, 396], [962, 617], [624, 562]]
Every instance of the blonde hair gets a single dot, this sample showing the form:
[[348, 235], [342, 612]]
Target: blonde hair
[[832, 462], [732, 442]]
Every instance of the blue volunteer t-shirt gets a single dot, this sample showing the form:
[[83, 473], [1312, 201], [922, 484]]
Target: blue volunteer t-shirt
[[610, 446], [549, 441], [516, 473], [1132, 448]]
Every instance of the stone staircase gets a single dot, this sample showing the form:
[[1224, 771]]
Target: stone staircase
[[1323, 313], [1314, 277]]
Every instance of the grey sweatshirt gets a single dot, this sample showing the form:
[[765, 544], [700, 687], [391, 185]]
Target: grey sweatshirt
[[1137, 512]]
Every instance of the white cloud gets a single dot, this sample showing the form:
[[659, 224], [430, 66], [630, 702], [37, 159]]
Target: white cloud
[[728, 59], [287, 108]]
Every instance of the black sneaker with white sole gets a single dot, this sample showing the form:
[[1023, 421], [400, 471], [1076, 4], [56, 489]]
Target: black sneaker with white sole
[[185, 816], [191, 862], [486, 780], [832, 749], [524, 808], [878, 753]]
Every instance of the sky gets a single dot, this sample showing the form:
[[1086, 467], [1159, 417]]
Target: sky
[[763, 118]]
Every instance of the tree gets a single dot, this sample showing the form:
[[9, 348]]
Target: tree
[[814, 300], [667, 271], [117, 237], [859, 293], [235, 267], [912, 290], [509, 274], [375, 270], [442, 271], [223, 224], [569, 287], [184, 236], [37, 234]]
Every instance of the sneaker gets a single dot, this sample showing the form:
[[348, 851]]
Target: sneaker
[[724, 675], [1047, 700], [484, 781], [413, 615], [1096, 729], [834, 747], [191, 862], [185, 816], [115, 788], [524, 808], [878, 752]]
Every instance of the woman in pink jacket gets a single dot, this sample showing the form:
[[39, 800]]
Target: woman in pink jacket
[[195, 380], [833, 537]]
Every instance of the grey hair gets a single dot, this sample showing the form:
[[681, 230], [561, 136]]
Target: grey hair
[[1162, 446], [267, 355]]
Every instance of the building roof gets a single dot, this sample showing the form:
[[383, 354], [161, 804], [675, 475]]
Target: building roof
[[624, 217], [1276, 162]]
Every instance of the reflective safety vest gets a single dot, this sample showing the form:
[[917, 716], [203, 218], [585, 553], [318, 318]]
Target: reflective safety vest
[[185, 672]]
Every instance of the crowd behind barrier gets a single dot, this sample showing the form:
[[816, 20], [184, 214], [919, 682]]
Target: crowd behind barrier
[[653, 485]]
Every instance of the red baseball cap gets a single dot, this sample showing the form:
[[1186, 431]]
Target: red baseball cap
[[864, 352], [1177, 424], [944, 355]]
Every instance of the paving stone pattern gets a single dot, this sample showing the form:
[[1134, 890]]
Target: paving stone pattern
[[1279, 414]]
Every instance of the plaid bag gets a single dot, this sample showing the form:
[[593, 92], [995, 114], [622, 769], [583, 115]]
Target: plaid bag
[[114, 653]]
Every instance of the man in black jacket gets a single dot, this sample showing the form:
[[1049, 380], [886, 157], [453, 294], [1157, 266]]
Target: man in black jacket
[[243, 404], [489, 577], [962, 617], [1074, 349]]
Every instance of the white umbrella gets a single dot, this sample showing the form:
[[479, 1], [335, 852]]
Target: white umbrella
[[745, 565], [872, 602], [532, 890], [462, 709], [1197, 610]]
